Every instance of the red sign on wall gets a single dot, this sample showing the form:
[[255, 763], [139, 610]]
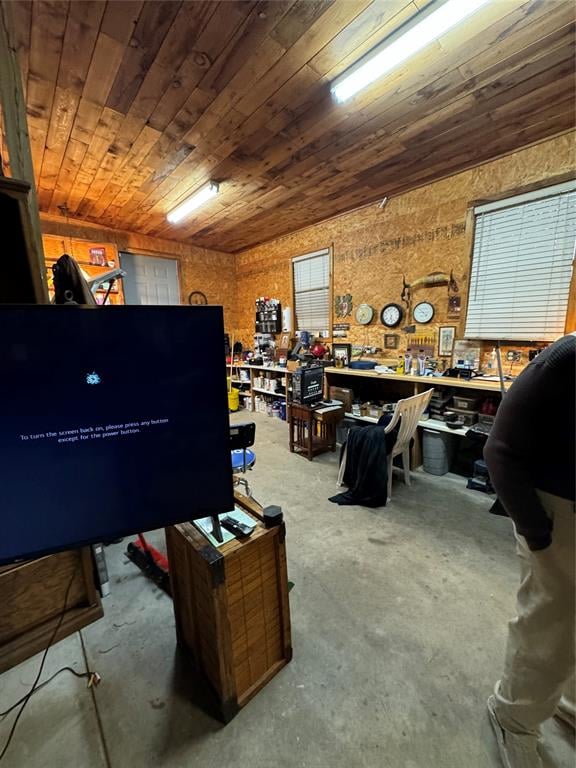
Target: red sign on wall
[[98, 256]]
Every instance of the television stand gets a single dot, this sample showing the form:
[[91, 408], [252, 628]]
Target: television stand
[[231, 607]]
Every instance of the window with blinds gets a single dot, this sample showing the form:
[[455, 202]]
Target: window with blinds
[[522, 266], [311, 275]]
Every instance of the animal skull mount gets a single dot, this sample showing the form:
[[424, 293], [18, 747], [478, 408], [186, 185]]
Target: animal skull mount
[[433, 280]]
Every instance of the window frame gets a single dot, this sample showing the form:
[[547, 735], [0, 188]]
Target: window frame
[[328, 250], [551, 188]]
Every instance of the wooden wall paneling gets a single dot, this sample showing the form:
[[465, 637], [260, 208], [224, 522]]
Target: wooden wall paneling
[[91, 115], [157, 78], [82, 25], [240, 92], [390, 182], [46, 37], [22, 21], [14, 125], [32, 596], [149, 32], [429, 99], [202, 269], [275, 170], [244, 80], [424, 70], [365, 31], [104, 133], [424, 230]]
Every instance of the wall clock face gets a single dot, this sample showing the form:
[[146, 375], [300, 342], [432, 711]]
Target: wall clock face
[[391, 315], [364, 314], [197, 297], [423, 312]]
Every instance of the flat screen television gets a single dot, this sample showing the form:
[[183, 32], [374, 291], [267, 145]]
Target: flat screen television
[[113, 420]]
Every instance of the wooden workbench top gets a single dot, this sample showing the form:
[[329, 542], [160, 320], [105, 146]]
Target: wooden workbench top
[[432, 381]]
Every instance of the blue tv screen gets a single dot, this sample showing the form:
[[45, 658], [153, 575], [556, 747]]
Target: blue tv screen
[[113, 420]]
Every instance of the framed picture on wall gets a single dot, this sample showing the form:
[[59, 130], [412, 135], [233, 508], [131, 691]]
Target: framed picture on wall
[[446, 336], [342, 353], [454, 306], [391, 341], [284, 341]]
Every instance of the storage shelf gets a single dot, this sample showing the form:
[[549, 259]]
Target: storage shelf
[[433, 424], [268, 392], [275, 368], [367, 419], [440, 426]]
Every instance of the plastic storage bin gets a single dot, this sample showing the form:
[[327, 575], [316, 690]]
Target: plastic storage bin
[[437, 451]]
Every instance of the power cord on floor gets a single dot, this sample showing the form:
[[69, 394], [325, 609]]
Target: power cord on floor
[[93, 677]]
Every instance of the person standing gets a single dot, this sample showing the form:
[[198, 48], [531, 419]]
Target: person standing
[[531, 459]]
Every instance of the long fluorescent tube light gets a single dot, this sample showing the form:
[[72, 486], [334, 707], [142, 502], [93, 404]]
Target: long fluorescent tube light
[[385, 59], [207, 192]]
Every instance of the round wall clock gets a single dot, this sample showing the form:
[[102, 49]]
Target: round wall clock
[[364, 314], [391, 315], [197, 297], [423, 312]]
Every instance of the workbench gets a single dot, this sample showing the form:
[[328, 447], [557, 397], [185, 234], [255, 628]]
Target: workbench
[[394, 386]]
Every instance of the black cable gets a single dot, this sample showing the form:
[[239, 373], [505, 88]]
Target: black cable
[[39, 687], [30, 693]]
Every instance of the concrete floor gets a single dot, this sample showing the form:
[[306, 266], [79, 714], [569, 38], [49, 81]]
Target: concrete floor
[[399, 623]]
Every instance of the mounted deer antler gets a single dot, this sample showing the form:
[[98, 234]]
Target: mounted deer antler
[[433, 280]]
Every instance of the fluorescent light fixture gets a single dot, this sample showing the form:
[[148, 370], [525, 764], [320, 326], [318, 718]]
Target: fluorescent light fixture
[[207, 192], [387, 56]]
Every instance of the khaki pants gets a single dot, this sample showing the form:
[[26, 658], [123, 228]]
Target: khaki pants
[[540, 652]]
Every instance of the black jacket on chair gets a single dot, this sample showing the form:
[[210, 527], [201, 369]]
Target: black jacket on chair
[[366, 472]]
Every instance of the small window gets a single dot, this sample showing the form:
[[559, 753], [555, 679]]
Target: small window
[[522, 266], [311, 275]]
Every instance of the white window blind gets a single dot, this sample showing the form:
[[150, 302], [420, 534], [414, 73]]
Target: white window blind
[[522, 266], [312, 291]]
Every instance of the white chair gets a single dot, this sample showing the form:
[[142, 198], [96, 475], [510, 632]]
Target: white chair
[[408, 412]]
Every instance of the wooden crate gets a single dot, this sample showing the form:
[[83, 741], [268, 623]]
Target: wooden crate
[[32, 600], [231, 607]]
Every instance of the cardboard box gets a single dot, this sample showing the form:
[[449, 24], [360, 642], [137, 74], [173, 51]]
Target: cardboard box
[[345, 395]]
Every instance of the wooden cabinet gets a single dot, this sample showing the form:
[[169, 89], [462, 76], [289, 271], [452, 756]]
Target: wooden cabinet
[[22, 266], [231, 607], [311, 431], [32, 600]]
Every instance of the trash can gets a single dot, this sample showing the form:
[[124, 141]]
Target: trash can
[[437, 451]]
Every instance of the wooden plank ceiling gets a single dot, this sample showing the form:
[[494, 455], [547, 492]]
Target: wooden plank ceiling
[[133, 105]]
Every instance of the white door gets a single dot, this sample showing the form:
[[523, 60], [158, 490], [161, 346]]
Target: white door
[[150, 280]]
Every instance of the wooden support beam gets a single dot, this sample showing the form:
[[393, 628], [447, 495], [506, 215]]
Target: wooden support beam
[[30, 255]]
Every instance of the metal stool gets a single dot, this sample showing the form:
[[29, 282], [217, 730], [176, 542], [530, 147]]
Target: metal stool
[[242, 437]]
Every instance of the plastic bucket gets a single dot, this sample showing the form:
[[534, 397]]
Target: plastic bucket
[[437, 452], [233, 400]]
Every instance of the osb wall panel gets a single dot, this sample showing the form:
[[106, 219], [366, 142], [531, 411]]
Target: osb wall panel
[[426, 230], [54, 246], [200, 269]]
